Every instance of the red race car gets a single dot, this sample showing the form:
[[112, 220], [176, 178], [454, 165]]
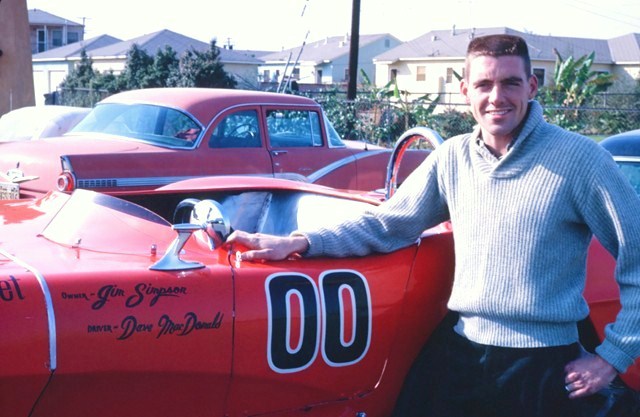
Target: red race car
[[143, 139], [111, 309]]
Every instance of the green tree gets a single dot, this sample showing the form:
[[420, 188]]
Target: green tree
[[202, 69], [574, 85], [82, 75], [165, 65], [83, 85], [137, 71]]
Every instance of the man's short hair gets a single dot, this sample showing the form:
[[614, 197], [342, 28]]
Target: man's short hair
[[499, 45]]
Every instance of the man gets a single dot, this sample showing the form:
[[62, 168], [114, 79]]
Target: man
[[524, 198]]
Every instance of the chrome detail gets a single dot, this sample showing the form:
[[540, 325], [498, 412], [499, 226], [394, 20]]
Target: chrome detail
[[171, 260], [91, 183], [328, 169], [98, 183], [51, 319], [67, 178], [216, 227], [208, 220], [14, 174], [407, 138]]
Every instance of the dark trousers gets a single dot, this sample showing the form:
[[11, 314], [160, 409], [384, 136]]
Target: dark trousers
[[467, 379]]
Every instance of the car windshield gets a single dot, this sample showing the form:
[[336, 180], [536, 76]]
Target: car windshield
[[631, 170], [94, 221], [157, 125]]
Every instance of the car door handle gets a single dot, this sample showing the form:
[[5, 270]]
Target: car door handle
[[277, 153]]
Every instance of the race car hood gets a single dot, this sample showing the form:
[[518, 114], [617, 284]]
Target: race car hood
[[101, 227]]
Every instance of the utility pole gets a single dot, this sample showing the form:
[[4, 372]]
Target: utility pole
[[353, 52], [352, 86]]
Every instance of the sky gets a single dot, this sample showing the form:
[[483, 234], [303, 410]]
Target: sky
[[282, 24]]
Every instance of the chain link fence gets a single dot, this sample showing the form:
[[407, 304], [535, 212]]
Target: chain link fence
[[383, 121]]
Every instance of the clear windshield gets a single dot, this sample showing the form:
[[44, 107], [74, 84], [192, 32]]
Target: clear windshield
[[157, 125], [100, 222]]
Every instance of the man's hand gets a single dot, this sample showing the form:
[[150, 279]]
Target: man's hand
[[587, 375], [267, 247]]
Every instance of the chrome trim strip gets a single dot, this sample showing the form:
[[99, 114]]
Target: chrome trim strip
[[92, 183], [327, 169], [53, 354]]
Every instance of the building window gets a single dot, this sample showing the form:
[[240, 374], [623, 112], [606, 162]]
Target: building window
[[266, 76], [72, 37], [394, 75], [346, 74], [539, 74], [42, 40], [56, 38], [319, 76], [296, 74], [421, 73]]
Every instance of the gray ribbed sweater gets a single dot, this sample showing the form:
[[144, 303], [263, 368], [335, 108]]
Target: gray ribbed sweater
[[522, 226]]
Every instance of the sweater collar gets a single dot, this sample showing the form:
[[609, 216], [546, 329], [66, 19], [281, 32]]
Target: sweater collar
[[533, 118]]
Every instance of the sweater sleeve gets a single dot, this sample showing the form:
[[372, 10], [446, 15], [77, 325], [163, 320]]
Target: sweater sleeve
[[417, 205], [611, 211]]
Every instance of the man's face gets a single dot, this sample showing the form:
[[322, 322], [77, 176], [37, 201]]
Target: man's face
[[498, 91]]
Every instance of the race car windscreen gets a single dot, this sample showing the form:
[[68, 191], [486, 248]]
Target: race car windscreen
[[89, 220]]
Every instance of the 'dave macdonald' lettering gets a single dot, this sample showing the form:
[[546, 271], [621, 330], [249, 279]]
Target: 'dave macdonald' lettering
[[191, 323], [131, 326]]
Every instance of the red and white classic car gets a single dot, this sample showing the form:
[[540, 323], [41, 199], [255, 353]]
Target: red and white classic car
[[143, 139]]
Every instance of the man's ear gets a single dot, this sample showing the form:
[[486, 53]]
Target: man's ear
[[464, 90], [533, 87]]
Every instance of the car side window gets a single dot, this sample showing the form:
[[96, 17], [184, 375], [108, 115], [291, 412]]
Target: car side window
[[237, 130], [632, 172], [294, 128]]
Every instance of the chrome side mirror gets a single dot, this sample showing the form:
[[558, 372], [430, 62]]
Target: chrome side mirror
[[215, 225], [210, 225]]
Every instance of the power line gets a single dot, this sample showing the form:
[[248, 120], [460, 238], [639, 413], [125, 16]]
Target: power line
[[598, 10]]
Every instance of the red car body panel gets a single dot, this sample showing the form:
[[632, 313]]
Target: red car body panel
[[314, 336]]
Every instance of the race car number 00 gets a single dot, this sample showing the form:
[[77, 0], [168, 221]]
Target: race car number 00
[[336, 316]]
